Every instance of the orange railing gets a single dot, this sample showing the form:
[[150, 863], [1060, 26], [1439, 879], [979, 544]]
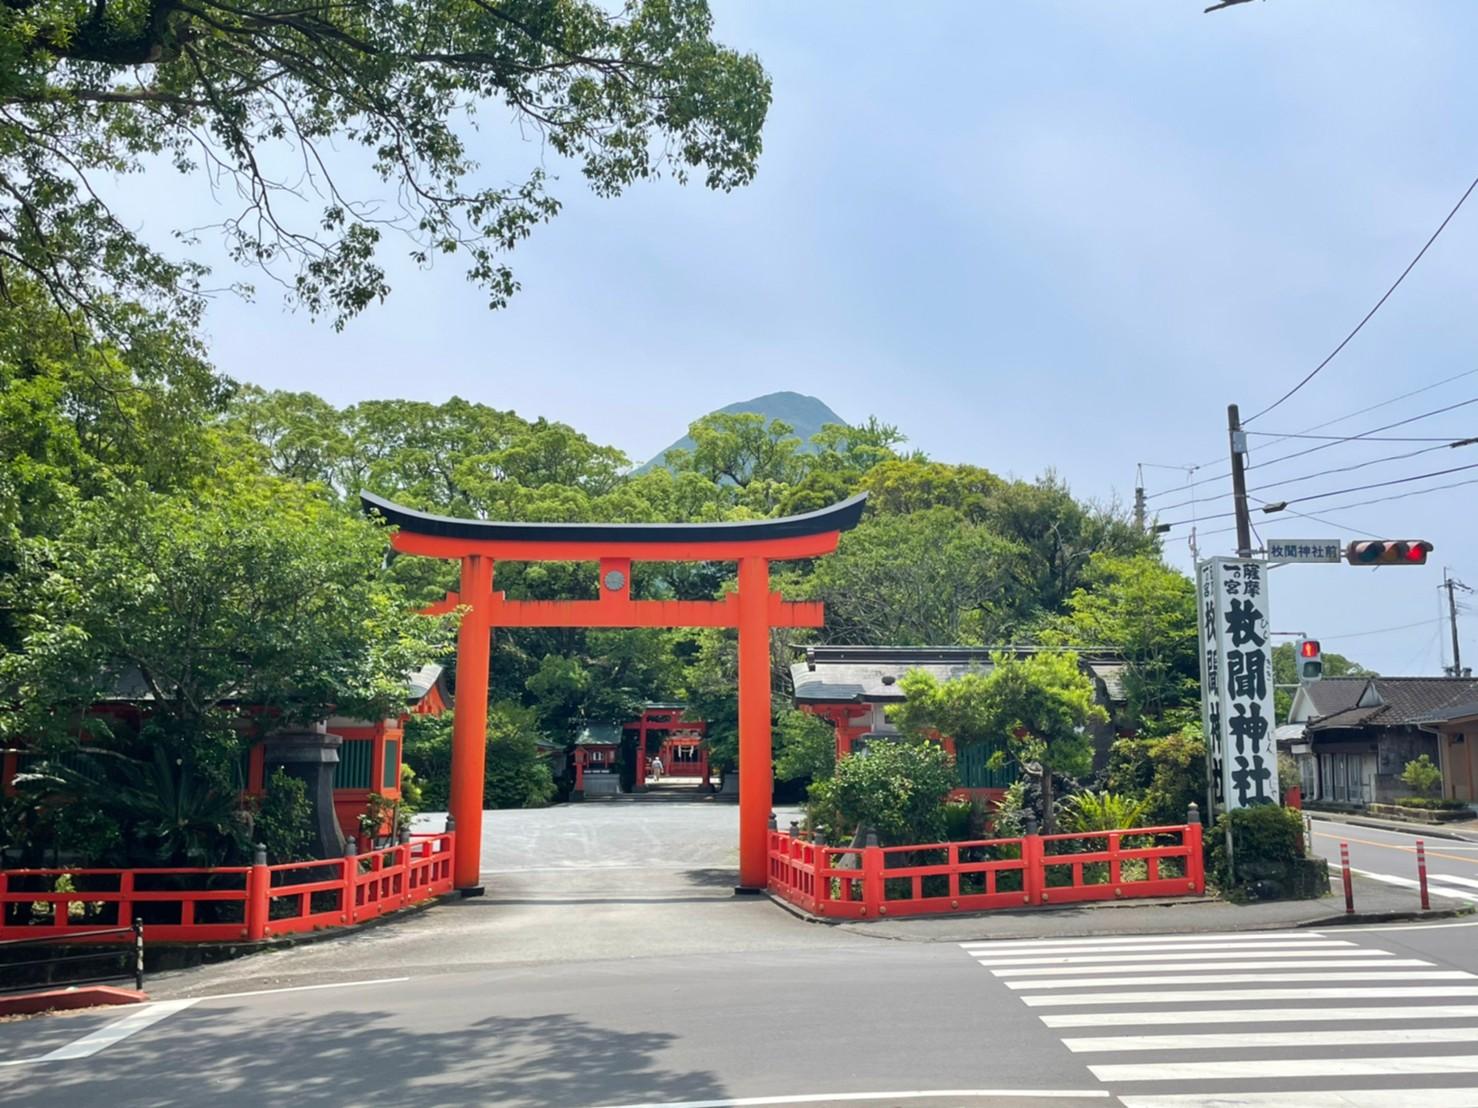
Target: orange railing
[[981, 875], [227, 903]]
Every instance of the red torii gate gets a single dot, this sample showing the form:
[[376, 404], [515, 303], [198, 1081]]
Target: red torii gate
[[753, 609]]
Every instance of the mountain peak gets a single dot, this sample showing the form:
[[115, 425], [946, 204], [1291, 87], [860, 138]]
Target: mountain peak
[[805, 413]]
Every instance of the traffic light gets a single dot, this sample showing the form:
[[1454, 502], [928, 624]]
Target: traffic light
[[1388, 552], [1309, 660]]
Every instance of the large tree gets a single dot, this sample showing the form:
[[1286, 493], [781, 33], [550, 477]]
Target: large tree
[[1037, 710], [289, 105]]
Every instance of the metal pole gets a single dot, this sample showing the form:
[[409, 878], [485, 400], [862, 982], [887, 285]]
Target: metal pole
[[1344, 864], [138, 953], [1238, 443], [1421, 873], [1448, 583]]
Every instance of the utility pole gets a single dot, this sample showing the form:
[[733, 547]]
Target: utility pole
[[1139, 505], [1450, 584], [1238, 441]]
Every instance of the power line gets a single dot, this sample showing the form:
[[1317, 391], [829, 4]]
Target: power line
[[1316, 427], [1379, 484], [1356, 504], [1321, 519], [1383, 630], [1364, 436], [1345, 341], [1403, 495], [1381, 404], [1444, 445]]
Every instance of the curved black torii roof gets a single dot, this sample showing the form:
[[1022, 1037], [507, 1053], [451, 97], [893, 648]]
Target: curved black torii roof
[[841, 516]]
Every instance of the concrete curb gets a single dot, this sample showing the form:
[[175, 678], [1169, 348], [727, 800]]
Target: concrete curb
[[179, 956], [1078, 928], [63, 1000], [1425, 830]]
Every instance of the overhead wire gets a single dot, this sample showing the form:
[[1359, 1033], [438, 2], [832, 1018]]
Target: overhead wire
[[1354, 488], [1361, 436], [1370, 314], [1444, 445], [1365, 436], [1376, 406], [1380, 484]]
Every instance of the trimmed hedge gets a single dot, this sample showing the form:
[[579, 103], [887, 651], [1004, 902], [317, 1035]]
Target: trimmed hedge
[[1266, 841]]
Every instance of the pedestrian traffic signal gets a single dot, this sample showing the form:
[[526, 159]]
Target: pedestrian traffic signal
[[1388, 552], [1310, 661]]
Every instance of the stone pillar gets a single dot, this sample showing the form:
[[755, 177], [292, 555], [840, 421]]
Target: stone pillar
[[311, 757]]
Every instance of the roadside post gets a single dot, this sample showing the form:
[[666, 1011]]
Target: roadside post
[[1421, 873], [1344, 865]]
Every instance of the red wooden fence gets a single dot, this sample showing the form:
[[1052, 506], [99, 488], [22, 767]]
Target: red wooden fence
[[940, 878], [227, 903]]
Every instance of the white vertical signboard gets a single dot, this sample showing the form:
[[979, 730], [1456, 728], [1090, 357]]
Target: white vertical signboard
[[1237, 681]]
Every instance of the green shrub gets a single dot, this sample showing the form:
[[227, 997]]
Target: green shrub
[[1432, 803], [1168, 771], [1105, 811], [959, 820], [1422, 777], [1264, 839], [284, 819], [897, 788]]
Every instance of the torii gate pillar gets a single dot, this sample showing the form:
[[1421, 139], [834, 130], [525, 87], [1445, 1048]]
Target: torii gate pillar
[[756, 767], [753, 610]]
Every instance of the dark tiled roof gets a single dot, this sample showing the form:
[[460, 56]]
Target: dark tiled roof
[[832, 674], [1453, 711], [1402, 702], [1334, 694], [599, 734]]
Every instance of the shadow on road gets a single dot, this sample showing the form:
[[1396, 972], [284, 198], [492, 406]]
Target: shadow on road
[[374, 1058]]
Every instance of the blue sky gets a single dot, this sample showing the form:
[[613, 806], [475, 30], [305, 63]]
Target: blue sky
[[1056, 235]]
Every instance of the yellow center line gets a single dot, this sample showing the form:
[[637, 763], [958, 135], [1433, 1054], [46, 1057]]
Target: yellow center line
[[1394, 846]]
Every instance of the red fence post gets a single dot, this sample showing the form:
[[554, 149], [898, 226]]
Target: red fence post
[[820, 883], [1421, 873], [1195, 860], [350, 862], [258, 886], [1344, 862], [1033, 870], [873, 898]]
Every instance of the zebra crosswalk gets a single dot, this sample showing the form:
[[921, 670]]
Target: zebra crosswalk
[[1438, 884], [1253, 1019]]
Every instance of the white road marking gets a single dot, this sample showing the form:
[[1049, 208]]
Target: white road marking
[[1263, 1015], [1468, 881], [1144, 947], [303, 988], [1312, 1098], [1347, 950], [1220, 938], [1218, 996], [1365, 1036], [1087, 981], [144, 1016], [1195, 967], [1286, 1067], [1410, 883], [148, 1014], [913, 1094]]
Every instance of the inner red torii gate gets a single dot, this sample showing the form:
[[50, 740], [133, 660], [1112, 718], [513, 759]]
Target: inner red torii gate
[[752, 608]]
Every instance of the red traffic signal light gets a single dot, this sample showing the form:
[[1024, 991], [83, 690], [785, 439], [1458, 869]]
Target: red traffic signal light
[[1388, 552], [1310, 661]]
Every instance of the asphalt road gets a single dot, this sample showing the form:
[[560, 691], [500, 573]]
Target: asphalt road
[[611, 966], [1452, 865]]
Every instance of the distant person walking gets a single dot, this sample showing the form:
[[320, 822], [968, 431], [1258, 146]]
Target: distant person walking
[[657, 769]]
